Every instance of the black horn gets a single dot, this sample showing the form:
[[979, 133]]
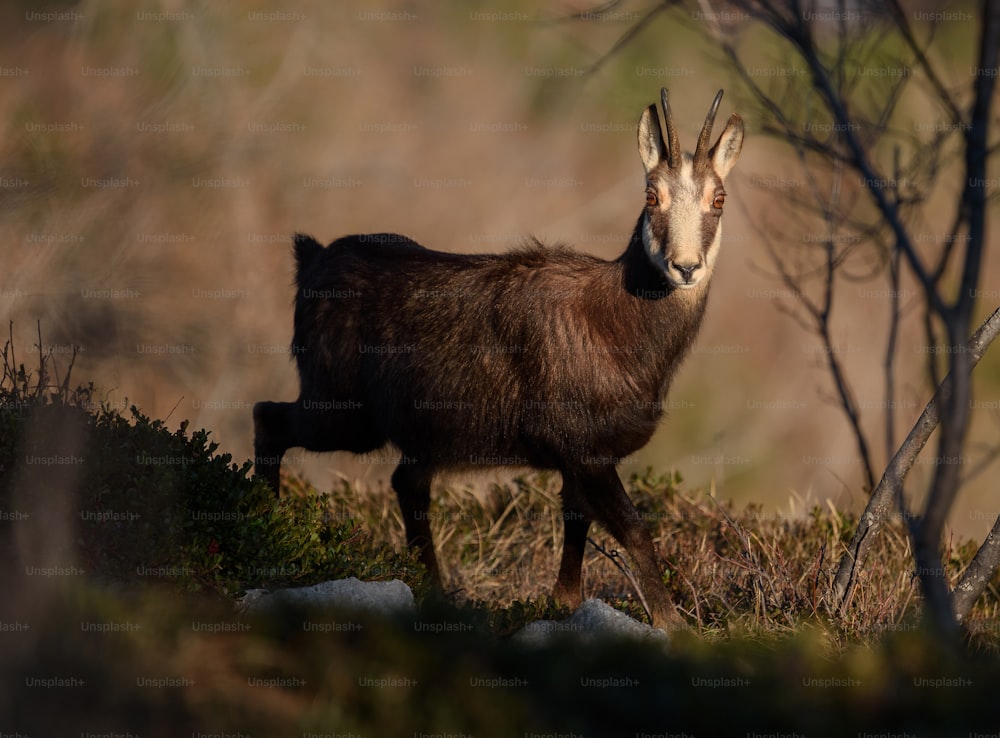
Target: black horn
[[701, 150], [673, 142]]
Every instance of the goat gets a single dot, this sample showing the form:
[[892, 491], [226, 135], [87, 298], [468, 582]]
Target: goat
[[540, 357]]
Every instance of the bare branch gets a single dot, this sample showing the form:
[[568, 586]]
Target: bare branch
[[978, 574], [859, 158], [619, 561], [888, 363], [976, 137], [630, 34], [899, 17], [891, 485]]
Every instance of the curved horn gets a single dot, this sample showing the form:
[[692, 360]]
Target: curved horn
[[673, 143], [701, 151]]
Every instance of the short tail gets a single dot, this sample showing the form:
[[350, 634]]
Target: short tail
[[307, 249]]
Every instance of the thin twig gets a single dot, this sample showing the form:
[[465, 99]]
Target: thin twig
[[618, 560]]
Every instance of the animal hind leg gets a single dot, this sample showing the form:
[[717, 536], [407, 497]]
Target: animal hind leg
[[279, 426]]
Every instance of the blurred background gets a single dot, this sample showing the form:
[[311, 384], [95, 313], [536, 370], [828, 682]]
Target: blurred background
[[157, 157]]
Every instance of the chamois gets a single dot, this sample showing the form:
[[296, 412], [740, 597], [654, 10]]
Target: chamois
[[541, 357]]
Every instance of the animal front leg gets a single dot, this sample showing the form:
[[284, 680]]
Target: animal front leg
[[413, 489], [270, 440], [576, 525], [612, 507]]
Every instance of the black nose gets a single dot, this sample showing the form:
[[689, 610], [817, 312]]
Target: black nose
[[687, 270]]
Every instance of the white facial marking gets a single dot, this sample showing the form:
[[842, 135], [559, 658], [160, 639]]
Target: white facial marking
[[686, 202], [685, 224]]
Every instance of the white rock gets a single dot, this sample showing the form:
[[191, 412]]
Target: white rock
[[383, 598], [593, 620]]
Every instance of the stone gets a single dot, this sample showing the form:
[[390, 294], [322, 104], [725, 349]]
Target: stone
[[382, 598], [593, 620]]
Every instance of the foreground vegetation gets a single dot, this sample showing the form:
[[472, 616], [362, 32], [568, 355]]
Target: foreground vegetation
[[123, 538]]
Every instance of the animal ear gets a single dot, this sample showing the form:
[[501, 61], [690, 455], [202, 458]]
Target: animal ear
[[651, 147], [727, 149]]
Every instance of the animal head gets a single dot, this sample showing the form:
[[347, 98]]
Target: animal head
[[685, 196]]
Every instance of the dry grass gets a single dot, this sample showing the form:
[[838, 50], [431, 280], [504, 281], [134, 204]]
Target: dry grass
[[733, 572]]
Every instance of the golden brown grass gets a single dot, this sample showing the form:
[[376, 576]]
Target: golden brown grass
[[732, 571]]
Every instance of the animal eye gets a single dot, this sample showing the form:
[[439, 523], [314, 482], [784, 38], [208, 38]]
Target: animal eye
[[651, 198], [719, 201]]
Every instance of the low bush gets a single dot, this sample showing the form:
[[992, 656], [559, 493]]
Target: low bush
[[126, 499]]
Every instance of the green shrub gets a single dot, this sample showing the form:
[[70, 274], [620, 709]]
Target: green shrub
[[148, 504]]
